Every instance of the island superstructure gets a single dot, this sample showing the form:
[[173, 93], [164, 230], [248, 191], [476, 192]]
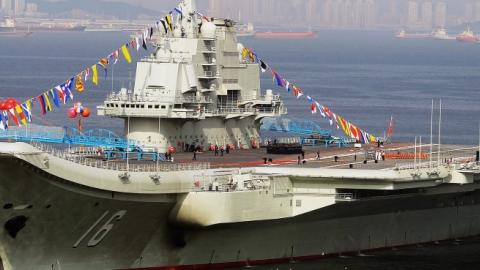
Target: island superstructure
[[195, 89], [77, 208]]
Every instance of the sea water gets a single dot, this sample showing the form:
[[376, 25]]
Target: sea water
[[366, 77]]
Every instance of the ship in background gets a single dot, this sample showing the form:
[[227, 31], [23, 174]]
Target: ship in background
[[467, 36], [441, 34], [52, 27], [287, 35], [103, 207], [405, 35], [8, 28], [7, 25], [247, 30], [44, 25]]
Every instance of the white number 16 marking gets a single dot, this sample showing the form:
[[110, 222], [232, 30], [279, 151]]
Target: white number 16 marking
[[103, 231]]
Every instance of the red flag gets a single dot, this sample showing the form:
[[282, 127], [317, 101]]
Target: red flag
[[14, 116], [355, 132], [391, 128]]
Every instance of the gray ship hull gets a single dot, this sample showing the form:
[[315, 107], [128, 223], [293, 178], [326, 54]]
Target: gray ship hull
[[64, 226]]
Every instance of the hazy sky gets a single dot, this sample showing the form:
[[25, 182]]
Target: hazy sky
[[159, 4]]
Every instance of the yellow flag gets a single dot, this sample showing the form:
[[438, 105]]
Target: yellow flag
[[168, 18], [126, 54], [29, 104], [245, 53], [94, 74], [79, 83], [20, 113], [343, 124], [48, 105]]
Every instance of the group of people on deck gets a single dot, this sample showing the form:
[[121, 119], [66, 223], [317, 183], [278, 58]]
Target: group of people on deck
[[221, 150], [218, 151]]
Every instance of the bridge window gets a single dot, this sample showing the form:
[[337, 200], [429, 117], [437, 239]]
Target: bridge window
[[150, 106], [157, 106], [164, 107], [298, 203], [123, 105]]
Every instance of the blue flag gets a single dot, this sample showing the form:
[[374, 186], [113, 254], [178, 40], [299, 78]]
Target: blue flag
[[55, 99]]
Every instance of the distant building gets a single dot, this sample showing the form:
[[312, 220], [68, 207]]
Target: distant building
[[440, 14], [477, 10], [427, 15], [19, 7], [412, 13], [312, 12], [355, 14], [31, 8], [469, 15], [7, 7], [12, 7], [391, 14]]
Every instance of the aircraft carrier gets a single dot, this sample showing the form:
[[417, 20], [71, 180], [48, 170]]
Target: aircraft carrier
[[84, 208]]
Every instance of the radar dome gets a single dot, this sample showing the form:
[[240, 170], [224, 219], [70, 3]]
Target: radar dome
[[208, 30]]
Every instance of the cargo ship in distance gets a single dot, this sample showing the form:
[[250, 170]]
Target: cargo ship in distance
[[76, 208], [403, 34], [8, 28], [286, 35], [441, 34]]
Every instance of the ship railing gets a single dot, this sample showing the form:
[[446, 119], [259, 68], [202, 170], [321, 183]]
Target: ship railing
[[413, 166], [157, 99], [211, 74], [457, 162], [235, 110], [87, 157], [465, 163], [259, 98], [193, 100]]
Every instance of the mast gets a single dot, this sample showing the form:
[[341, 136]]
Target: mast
[[439, 132], [431, 136], [188, 22], [415, 155]]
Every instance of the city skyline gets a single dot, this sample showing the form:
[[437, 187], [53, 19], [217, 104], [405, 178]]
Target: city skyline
[[350, 14], [336, 14], [17, 7]]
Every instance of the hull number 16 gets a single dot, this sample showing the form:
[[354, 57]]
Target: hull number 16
[[102, 231]]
